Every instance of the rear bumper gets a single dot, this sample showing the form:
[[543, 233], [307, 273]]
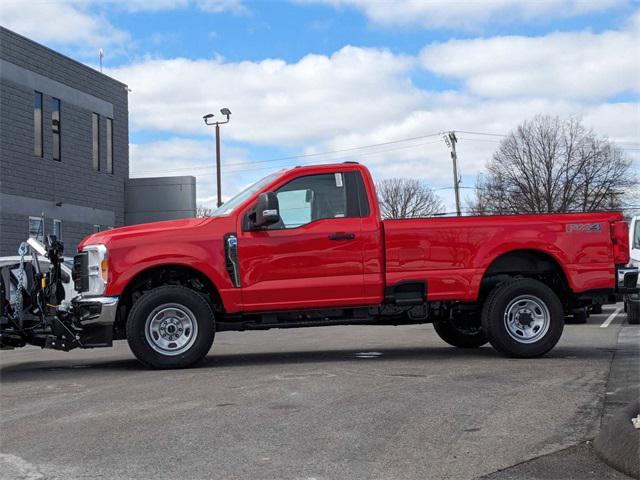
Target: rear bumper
[[627, 280]]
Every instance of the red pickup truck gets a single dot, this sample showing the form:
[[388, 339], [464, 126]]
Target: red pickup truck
[[307, 247]]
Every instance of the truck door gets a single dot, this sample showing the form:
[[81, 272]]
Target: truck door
[[313, 257]]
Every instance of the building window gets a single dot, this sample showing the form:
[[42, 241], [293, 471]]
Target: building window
[[37, 124], [109, 145], [57, 229], [95, 129], [55, 127], [36, 228]]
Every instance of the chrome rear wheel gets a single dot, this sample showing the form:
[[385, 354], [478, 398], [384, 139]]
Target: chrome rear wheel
[[526, 319]]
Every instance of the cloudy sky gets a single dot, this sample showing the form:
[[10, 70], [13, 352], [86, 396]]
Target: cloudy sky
[[306, 77]]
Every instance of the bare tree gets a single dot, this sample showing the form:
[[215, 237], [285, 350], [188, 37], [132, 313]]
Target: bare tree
[[407, 198], [204, 211], [553, 165]]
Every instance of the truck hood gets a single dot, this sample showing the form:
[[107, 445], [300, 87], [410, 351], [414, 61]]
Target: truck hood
[[150, 231]]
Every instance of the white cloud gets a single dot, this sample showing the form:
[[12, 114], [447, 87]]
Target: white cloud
[[82, 24], [357, 96], [183, 156], [425, 158], [61, 23], [273, 102], [560, 65], [469, 14], [219, 6], [139, 5], [430, 158]]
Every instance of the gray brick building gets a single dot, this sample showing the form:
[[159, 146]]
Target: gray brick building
[[64, 145]]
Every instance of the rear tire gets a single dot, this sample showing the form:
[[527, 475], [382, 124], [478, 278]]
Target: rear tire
[[170, 327], [633, 312], [451, 333], [523, 318], [578, 316]]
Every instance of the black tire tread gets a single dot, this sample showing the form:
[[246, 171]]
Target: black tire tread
[[512, 348], [633, 313], [451, 335], [149, 357]]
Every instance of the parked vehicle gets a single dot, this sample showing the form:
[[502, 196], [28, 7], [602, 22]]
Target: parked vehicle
[[307, 247], [632, 300], [66, 266]]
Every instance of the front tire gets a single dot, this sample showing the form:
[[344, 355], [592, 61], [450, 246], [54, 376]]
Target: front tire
[[523, 318], [458, 335], [170, 327]]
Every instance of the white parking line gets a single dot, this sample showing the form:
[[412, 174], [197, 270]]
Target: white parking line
[[606, 323]]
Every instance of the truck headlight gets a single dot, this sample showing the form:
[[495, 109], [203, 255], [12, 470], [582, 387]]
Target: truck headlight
[[98, 269]]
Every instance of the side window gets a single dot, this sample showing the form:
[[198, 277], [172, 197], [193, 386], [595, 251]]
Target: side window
[[95, 141], [36, 228], [37, 124], [57, 228], [312, 197]]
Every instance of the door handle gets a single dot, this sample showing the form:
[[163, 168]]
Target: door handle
[[342, 236]]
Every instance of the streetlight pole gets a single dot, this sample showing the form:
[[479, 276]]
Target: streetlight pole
[[218, 179], [227, 113]]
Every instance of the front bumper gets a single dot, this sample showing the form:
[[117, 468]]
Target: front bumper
[[98, 311], [95, 316], [627, 280]]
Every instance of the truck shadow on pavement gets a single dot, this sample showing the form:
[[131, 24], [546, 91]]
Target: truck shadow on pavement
[[54, 368]]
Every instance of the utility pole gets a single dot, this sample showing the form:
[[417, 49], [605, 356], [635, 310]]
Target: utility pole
[[450, 139]]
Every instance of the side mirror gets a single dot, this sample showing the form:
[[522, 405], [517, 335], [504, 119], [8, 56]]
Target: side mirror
[[266, 211]]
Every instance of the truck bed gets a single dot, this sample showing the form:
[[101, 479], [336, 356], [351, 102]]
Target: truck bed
[[452, 254]]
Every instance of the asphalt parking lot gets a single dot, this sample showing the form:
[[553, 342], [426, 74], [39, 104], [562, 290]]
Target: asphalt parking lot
[[319, 403]]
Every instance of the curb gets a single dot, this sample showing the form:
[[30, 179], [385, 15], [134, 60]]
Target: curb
[[618, 442]]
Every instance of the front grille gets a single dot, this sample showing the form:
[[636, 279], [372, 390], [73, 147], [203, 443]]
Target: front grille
[[80, 272], [630, 280]]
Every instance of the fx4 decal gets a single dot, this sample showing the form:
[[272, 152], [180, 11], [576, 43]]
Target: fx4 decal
[[584, 227]]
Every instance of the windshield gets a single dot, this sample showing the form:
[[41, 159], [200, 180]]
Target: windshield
[[240, 198]]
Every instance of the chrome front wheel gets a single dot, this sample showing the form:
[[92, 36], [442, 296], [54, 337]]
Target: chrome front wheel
[[170, 326], [171, 329]]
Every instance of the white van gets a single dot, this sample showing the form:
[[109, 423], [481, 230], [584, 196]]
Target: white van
[[632, 302]]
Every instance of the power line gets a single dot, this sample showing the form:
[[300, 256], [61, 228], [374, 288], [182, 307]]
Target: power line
[[307, 155], [363, 154], [313, 162], [482, 133], [479, 140], [244, 165]]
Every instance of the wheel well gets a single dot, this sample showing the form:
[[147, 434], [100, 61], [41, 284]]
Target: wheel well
[[164, 275], [529, 264]]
